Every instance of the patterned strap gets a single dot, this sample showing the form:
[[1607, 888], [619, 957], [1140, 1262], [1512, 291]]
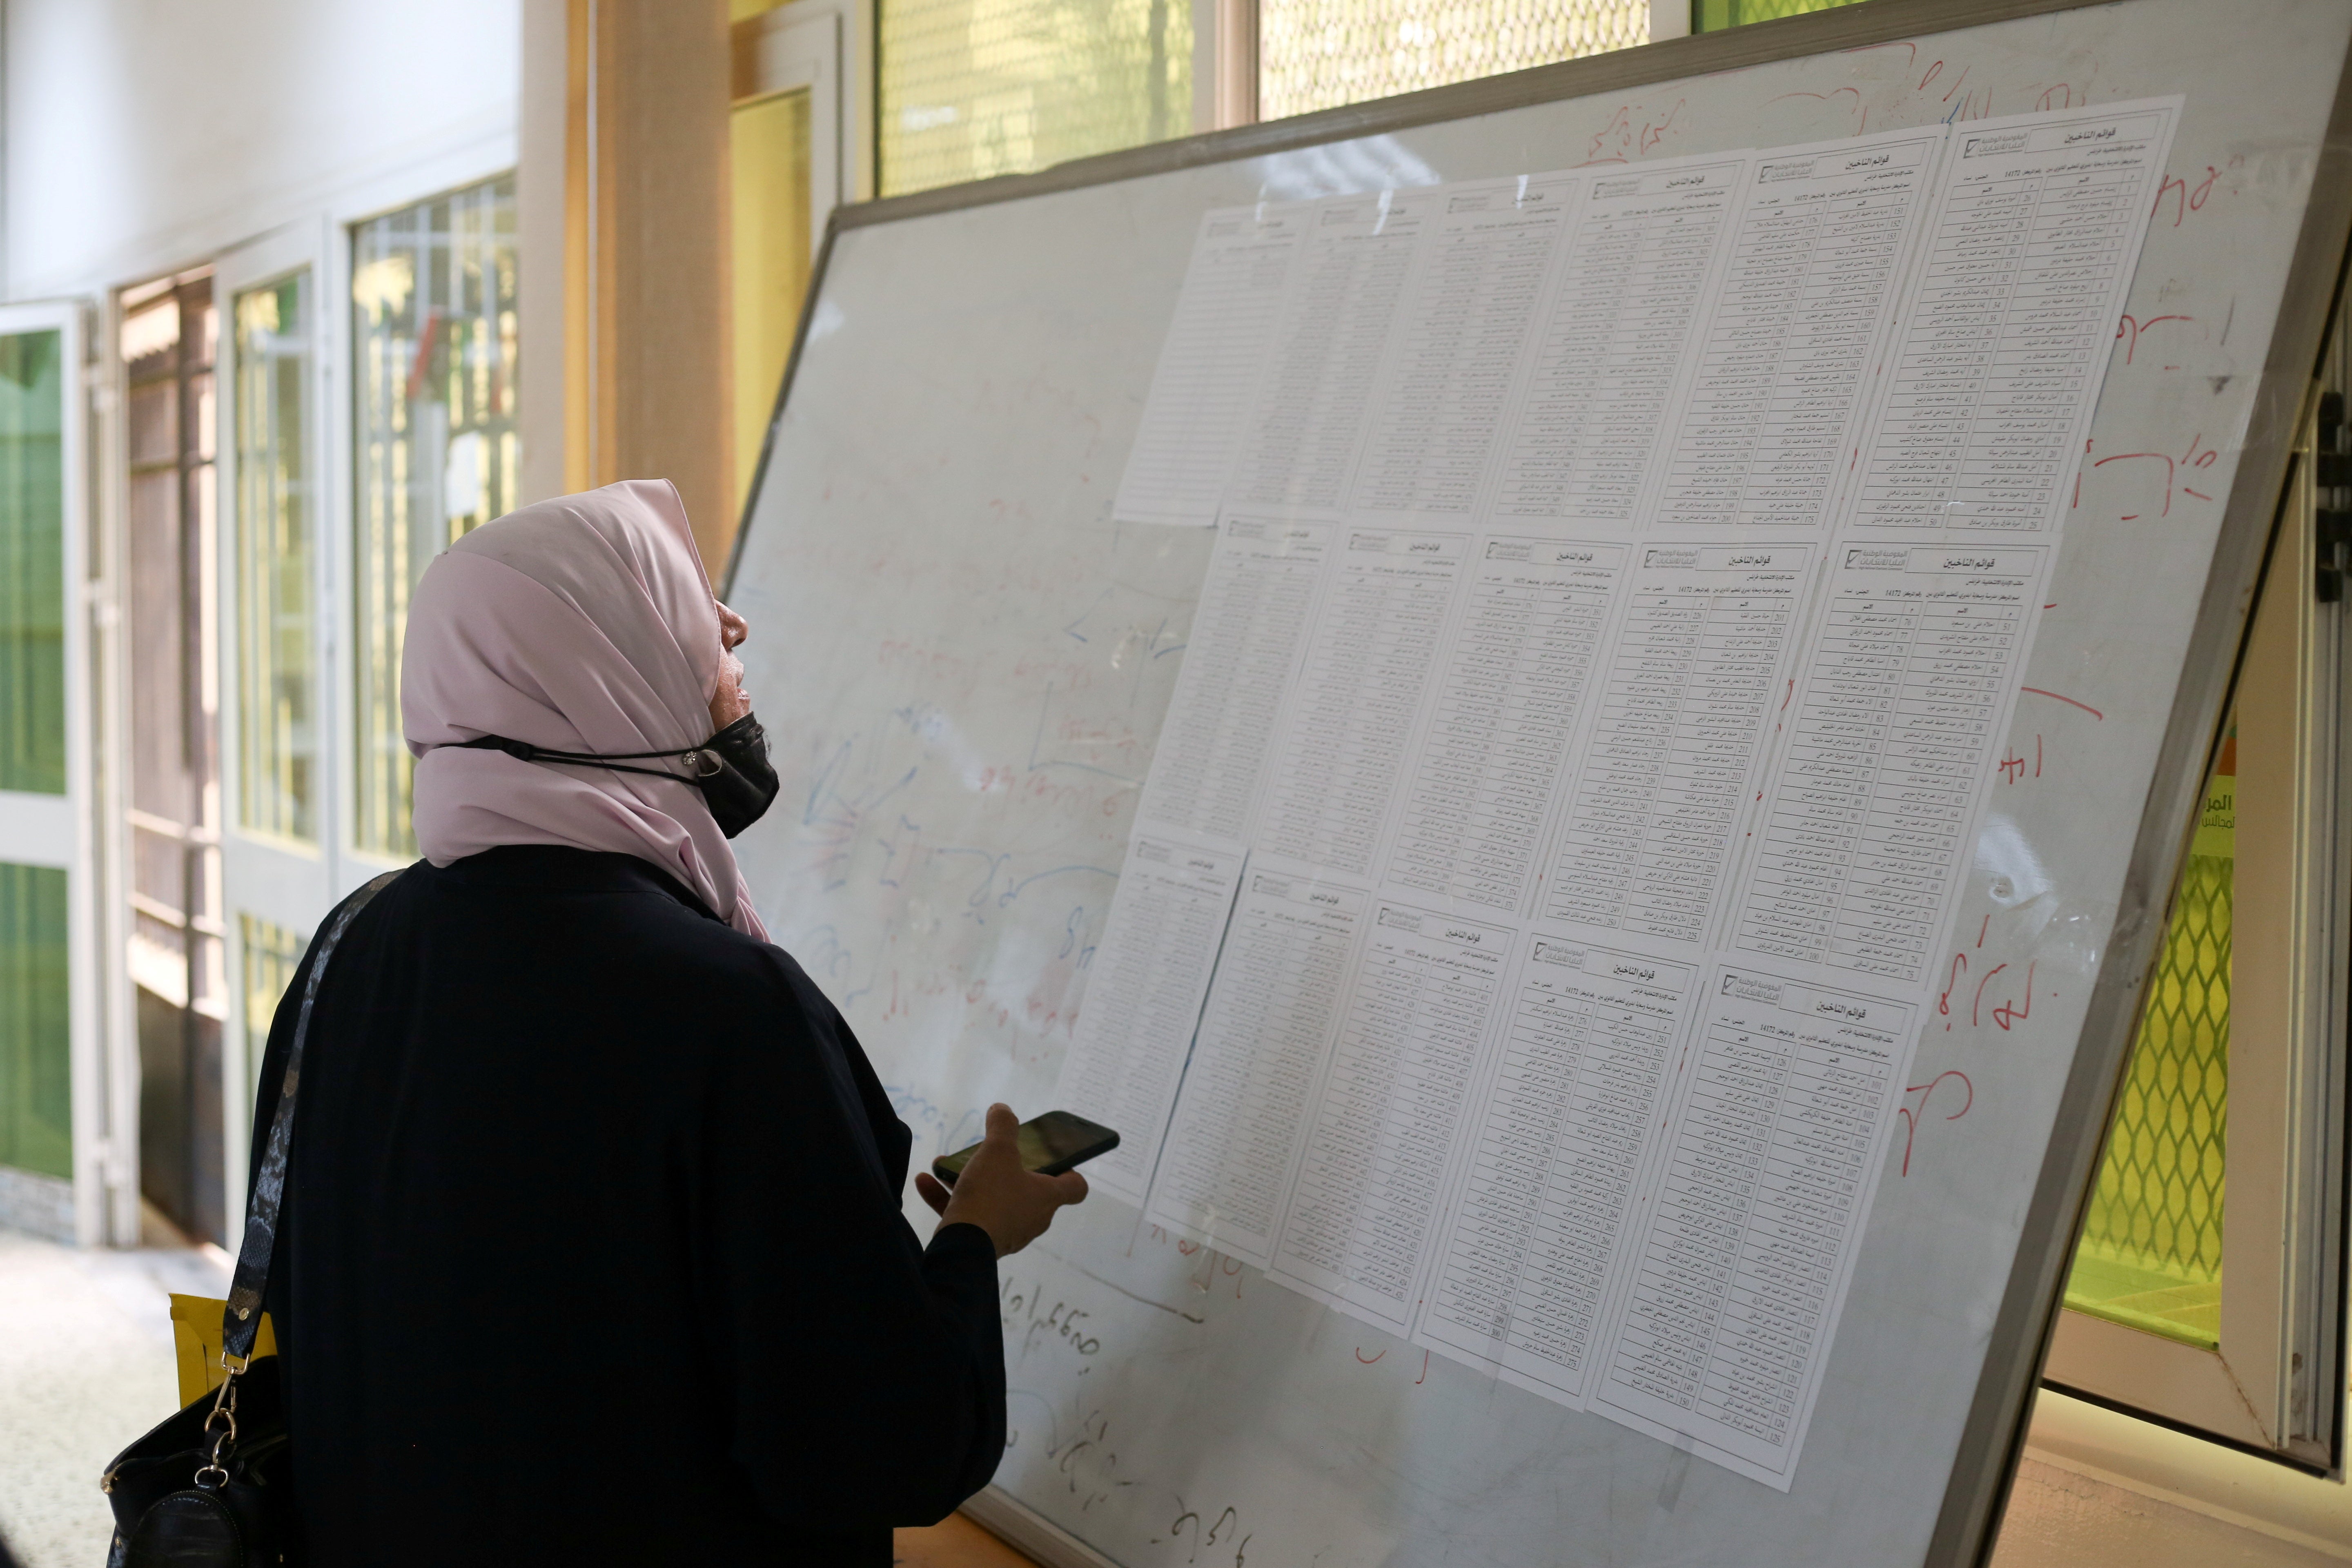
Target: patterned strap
[[242, 1319]]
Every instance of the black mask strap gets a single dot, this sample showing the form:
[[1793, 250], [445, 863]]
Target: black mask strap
[[524, 751]]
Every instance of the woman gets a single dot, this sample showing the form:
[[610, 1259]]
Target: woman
[[594, 1250]]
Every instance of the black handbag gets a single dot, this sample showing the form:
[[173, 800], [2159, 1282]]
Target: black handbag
[[208, 1488]]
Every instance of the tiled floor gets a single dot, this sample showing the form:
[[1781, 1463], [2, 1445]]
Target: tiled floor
[[85, 1367]]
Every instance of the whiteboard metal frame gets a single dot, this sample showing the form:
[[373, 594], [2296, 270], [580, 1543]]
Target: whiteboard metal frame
[[2310, 1376], [1993, 1438]]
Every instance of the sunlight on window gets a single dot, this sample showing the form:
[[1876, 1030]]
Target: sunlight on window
[[1320, 54], [972, 89], [433, 330]]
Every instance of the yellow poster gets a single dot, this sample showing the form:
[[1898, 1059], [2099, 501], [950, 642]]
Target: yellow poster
[[2217, 829]]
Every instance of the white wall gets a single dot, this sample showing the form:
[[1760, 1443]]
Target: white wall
[[148, 135]]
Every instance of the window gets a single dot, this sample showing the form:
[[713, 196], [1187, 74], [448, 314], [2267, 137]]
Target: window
[[971, 88], [1320, 54], [272, 953], [1714, 15], [276, 718], [434, 451]]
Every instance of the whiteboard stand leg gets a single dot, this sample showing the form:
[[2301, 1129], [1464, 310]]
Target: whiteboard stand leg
[[1018, 1525]]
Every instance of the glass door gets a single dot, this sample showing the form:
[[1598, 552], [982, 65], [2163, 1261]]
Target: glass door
[[277, 836], [51, 1122], [166, 336]]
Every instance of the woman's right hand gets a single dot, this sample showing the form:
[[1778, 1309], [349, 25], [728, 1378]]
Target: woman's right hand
[[997, 1192]]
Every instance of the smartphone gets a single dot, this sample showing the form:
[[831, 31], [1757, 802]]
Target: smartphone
[[1050, 1144]]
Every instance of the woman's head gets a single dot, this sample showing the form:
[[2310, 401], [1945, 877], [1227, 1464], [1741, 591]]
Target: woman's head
[[587, 625]]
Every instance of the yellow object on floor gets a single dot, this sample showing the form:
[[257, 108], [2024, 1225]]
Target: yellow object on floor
[[196, 1337]]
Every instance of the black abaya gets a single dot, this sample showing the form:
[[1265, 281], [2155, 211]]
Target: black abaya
[[594, 1251]]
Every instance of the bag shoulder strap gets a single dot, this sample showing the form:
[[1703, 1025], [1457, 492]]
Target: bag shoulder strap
[[241, 1319]]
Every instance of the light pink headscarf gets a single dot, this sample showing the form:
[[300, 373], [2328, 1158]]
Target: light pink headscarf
[[583, 624]]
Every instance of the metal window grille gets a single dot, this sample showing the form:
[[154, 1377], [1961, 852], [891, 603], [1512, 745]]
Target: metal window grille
[[972, 88], [1714, 15], [1319, 54], [2150, 1254]]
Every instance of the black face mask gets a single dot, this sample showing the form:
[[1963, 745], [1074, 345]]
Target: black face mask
[[731, 769]]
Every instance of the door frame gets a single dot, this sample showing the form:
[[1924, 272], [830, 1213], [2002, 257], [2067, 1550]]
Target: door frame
[[807, 45]]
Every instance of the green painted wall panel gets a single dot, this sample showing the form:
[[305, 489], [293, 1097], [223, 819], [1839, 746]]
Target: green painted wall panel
[[36, 1049], [32, 562]]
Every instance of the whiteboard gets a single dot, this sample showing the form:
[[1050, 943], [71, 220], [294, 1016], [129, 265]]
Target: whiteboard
[[963, 662]]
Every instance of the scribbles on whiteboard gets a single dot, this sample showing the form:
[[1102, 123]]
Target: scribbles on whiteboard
[[2031, 252], [1144, 999], [1740, 1270], [1245, 1093], [1907, 688], [1208, 369], [1817, 255]]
